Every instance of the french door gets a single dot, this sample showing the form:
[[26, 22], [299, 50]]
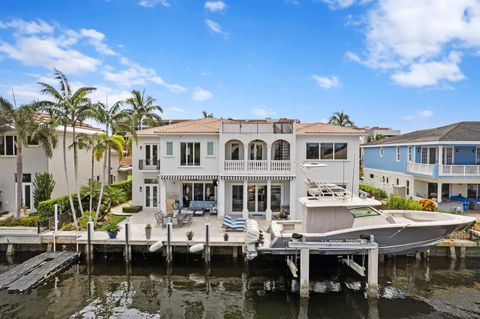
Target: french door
[[257, 198], [256, 151], [151, 154], [151, 196]]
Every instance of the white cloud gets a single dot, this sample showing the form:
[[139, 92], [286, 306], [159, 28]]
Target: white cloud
[[215, 6], [262, 112], [412, 39], [430, 73], [29, 27], [96, 39], [200, 95], [326, 82], [213, 26], [153, 3], [419, 115], [342, 4]]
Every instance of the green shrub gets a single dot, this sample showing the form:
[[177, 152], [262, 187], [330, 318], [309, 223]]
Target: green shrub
[[43, 186], [126, 186], [27, 221], [376, 192], [132, 209], [82, 221], [402, 203]]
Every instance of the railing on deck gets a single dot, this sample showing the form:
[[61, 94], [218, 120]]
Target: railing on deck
[[144, 166], [420, 168], [459, 170], [273, 128], [258, 167]]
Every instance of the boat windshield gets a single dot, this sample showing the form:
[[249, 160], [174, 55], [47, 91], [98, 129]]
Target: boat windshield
[[363, 212]]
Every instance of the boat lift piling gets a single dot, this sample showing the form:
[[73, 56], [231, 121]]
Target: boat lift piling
[[168, 248], [89, 248], [128, 248], [207, 255]]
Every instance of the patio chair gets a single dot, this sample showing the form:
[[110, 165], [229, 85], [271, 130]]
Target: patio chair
[[185, 219], [158, 217], [176, 208]]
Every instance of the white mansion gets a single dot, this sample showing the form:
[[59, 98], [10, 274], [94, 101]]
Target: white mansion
[[248, 167]]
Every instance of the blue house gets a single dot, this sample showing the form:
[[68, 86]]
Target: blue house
[[436, 163]]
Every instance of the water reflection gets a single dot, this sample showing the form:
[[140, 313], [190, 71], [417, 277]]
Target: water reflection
[[409, 288]]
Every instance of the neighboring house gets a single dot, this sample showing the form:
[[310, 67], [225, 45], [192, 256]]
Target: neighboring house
[[372, 132], [249, 167], [435, 163], [36, 161]]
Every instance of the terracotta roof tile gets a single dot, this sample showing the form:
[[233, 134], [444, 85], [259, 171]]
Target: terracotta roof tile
[[323, 128], [204, 125]]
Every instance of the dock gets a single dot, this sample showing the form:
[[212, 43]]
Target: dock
[[31, 273]]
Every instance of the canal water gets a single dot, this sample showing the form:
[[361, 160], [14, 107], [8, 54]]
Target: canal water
[[147, 289]]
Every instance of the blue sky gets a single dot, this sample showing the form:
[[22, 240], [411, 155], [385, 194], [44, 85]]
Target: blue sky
[[384, 62]]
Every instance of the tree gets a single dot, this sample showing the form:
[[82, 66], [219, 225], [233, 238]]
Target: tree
[[377, 137], [68, 109], [143, 109], [89, 142], [22, 122], [341, 119], [43, 186], [206, 114]]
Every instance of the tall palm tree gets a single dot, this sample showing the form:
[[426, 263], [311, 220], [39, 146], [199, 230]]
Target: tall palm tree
[[341, 119], [22, 121], [143, 109], [68, 109], [89, 142]]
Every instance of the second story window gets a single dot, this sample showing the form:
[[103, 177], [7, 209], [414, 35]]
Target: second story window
[[210, 149], [313, 151], [409, 153], [327, 151], [7, 145], [169, 149], [190, 154], [397, 153], [151, 154]]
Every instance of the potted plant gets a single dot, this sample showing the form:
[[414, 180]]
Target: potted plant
[[189, 235], [112, 230], [225, 236], [148, 231]]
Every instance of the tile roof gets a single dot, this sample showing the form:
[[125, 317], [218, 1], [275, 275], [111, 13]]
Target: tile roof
[[203, 125], [456, 132], [44, 118], [323, 128], [126, 161]]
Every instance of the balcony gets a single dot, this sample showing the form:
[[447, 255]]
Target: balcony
[[258, 167], [147, 165], [420, 168], [459, 170], [257, 128]]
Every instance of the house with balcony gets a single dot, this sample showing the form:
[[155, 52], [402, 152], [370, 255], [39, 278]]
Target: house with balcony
[[437, 163], [244, 167]]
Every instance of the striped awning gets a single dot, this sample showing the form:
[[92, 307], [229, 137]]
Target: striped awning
[[257, 177], [189, 177]]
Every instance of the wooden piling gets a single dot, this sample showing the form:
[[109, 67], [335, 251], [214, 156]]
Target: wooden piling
[[10, 250], [452, 253]]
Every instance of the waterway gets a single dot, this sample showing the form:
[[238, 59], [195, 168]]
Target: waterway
[[148, 289]]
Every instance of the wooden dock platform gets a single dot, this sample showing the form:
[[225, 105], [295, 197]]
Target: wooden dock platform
[[29, 274]]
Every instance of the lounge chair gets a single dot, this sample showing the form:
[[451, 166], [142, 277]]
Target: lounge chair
[[233, 226], [234, 219]]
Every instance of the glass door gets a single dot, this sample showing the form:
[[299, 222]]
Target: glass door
[[237, 198], [256, 151], [27, 195], [151, 196], [257, 199], [151, 154]]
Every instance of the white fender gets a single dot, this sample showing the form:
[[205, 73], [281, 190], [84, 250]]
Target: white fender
[[196, 248], [156, 246]]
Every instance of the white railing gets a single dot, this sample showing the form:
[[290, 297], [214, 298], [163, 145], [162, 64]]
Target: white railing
[[252, 167], [459, 170], [420, 168]]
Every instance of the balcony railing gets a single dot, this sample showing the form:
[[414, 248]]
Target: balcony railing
[[152, 166], [260, 167], [272, 128], [459, 170], [420, 168]]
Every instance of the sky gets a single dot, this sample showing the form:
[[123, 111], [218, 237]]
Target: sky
[[408, 64]]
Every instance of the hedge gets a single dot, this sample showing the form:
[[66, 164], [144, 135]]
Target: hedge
[[132, 209], [376, 192], [27, 221], [402, 203], [46, 208]]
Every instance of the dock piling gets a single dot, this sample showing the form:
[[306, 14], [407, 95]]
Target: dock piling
[[372, 280], [207, 243], [89, 249], [128, 251], [304, 273], [169, 243]]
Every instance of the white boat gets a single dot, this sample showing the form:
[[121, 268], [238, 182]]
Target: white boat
[[332, 213]]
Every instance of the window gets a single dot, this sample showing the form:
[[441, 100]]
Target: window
[[326, 151], [383, 179], [340, 151], [408, 188], [397, 181], [169, 149], [281, 151], [397, 150], [473, 190], [197, 191], [190, 154], [313, 151], [210, 149], [424, 155], [27, 178], [372, 176], [237, 198], [381, 151], [387, 180], [478, 156], [7, 145], [448, 156], [235, 152], [363, 212], [151, 154], [409, 153]]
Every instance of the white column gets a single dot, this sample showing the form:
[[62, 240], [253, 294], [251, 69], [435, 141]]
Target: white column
[[221, 198], [439, 192], [163, 196], [269, 157], [440, 161], [293, 199], [245, 199], [245, 157], [269, 200]]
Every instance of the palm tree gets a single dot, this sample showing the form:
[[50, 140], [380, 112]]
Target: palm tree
[[22, 121], [341, 119], [89, 142], [206, 114], [68, 109], [143, 109]]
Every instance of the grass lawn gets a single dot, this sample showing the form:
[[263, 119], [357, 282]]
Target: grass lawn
[[115, 219]]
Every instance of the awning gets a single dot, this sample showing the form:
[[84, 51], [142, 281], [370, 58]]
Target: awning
[[189, 177], [256, 178]]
